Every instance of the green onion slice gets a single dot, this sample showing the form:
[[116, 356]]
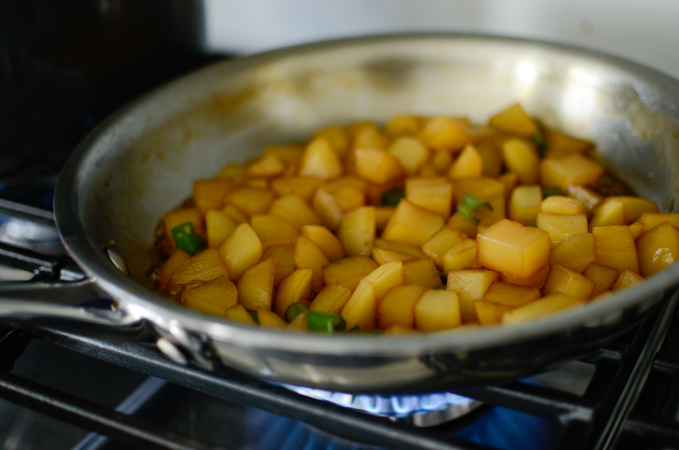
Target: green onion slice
[[325, 322], [392, 196], [186, 238], [470, 206], [254, 316], [294, 310]]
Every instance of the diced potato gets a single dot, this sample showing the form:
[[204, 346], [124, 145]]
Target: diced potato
[[320, 160], [398, 306], [634, 207], [331, 299], [559, 143], [285, 260], [410, 153], [432, 194], [303, 187], [382, 256], [470, 285], [603, 277], [267, 166], [213, 297], [509, 180], [367, 135], [588, 197], [273, 230], [298, 324], [382, 216], [356, 231], [399, 247], [411, 224], [558, 204], [468, 164], [572, 168], [510, 294], [403, 125], [443, 240], [443, 133], [169, 267], [522, 158], [241, 250], [205, 266], [308, 255], [210, 194], [239, 314], [462, 256], [269, 319], [610, 212], [233, 172], [440, 163], [325, 240], [562, 226], [234, 214], [627, 278], [385, 277], [514, 120], [288, 154], [348, 272], [255, 286], [377, 166], [349, 198], [459, 222], [327, 208], [658, 248], [218, 227], [294, 288], [576, 252], [491, 159], [512, 248], [250, 201], [489, 313], [295, 210], [437, 310], [181, 216], [615, 248], [650, 220], [568, 281], [537, 280], [422, 272], [524, 204], [360, 309], [636, 228], [549, 304], [337, 137]]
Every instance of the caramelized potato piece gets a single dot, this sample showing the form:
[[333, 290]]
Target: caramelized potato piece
[[615, 248], [285, 260], [514, 120], [569, 169], [325, 240], [377, 166], [213, 297], [320, 160], [445, 134], [294, 210], [294, 288], [558, 204], [273, 230], [269, 319], [303, 187], [627, 278], [549, 304], [568, 281], [432, 194], [218, 227], [525, 203], [348, 272], [422, 272], [443, 240], [356, 231], [169, 267], [398, 306], [489, 313], [469, 164], [210, 194], [255, 286], [331, 299], [522, 158], [250, 201], [267, 166], [603, 277], [241, 250], [411, 224], [205, 266], [658, 248], [310, 256], [610, 212], [239, 314], [510, 294], [382, 256], [437, 310], [537, 280], [576, 252], [410, 153], [462, 256], [650, 220], [470, 285], [562, 226]]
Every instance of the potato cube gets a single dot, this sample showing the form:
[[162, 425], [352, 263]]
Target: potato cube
[[489, 313], [568, 281], [356, 231], [327, 208], [170, 266], [562, 226], [524, 204], [410, 153], [367, 135], [491, 159], [634, 207], [432, 194], [218, 227], [284, 255], [320, 160], [288, 154], [549, 304], [348, 272], [331, 299], [558, 204], [250, 201], [588, 197], [213, 297], [308, 255], [576, 252], [325, 240], [572, 168], [468, 164], [298, 324], [411, 224], [470, 285], [360, 309], [205, 266], [377, 166], [440, 163], [382, 256], [403, 126], [437, 310], [443, 133], [512, 248], [399, 247], [610, 212], [459, 222], [652, 219], [210, 194], [294, 210], [514, 120], [462, 256], [658, 248], [239, 314], [266, 166], [422, 272], [349, 198], [182, 216], [303, 187], [636, 229], [382, 216], [241, 250], [627, 278], [269, 319], [537, 280], [234, 214], [233, 172], [510, 294], [522, 158], [385, 277], [615, 248], [273, 230], [443, 240], [255, 286], [337, 137], [398, 306], [509, 180], [559, 143], [603, 277], [294, 288]]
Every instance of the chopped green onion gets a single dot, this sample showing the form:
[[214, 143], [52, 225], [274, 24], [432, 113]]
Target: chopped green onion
[[254, 316], [540, 141], [532, 224], [444, 277], [470, 205], [549, 191], [186, 238], [325, 322], [392, 196], [441, 288], [294, 310]]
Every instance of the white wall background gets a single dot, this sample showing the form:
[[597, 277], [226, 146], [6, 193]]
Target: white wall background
[[645, 31]]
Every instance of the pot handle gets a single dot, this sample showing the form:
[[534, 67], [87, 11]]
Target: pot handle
[[56, 301]]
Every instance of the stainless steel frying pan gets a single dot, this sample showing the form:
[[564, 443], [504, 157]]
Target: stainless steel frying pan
[[141, 163]]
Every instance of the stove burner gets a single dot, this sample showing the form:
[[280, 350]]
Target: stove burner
[[423, 410]]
